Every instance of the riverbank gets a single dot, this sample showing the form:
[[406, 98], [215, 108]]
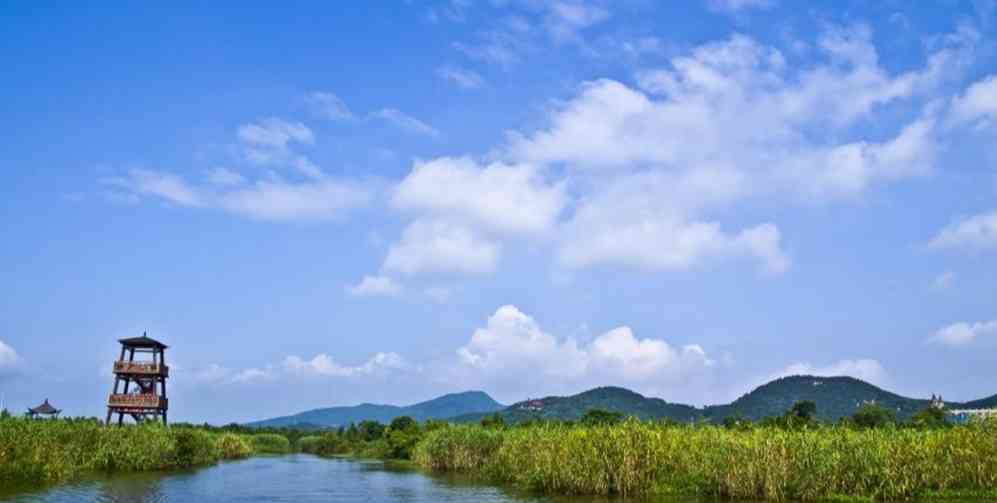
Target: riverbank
[[56, 451], [637, 458]]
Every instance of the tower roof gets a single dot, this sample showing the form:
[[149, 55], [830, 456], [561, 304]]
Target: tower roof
[[44, 408], [142, 342]]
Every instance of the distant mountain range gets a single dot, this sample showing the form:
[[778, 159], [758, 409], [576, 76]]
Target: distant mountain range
[[446, 406], [835, 397]]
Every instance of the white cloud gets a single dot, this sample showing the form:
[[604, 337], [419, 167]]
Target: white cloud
[[689, 118], [213, 373], [406, 122], [323, 365], [225, 177], [438, 246], [328, 106], [166, 186], [565, 19], [284, 201], [963, 334], [865, 369], [268, 140], [631, 223], [512, 343], [505, 198], [978, 232], [735, 6], [269, 200], [375, 286], [253, 375], [978, 105], [460, 77], [655, 167], [8, 357]]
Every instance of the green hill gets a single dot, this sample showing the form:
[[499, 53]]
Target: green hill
[[835, 397], [446, 406], [608, 398]]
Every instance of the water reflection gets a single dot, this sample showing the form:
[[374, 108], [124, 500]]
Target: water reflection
[[291, 479]]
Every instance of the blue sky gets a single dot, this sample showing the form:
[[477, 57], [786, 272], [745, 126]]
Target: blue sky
[[385, 201]]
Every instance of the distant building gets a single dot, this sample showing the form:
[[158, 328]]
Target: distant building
[[534, 405], [937, 402], [963, 416], [44, 410]]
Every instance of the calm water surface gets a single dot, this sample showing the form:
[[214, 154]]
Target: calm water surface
[[298, 478]]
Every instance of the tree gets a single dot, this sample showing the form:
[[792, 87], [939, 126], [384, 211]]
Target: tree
[[370, 430], [931, 417], [403, 423], [737, 422], [493, 421], [593, 417], [804, 409], [872, 415]]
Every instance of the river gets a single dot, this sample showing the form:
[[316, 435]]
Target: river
[[296, 478]]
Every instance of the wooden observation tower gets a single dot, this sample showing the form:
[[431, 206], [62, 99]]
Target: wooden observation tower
[[143, 395]]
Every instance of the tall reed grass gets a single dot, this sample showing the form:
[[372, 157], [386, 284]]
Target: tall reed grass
[[270, 443], [640, 458], [41, 452]]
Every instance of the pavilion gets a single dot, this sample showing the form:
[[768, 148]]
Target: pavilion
[[44, 410]]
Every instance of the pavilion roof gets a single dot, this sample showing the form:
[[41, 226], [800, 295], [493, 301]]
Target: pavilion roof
[[142, 342], [44, 408]]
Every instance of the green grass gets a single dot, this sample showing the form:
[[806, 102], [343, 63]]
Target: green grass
[[44, 452], [640, 458]]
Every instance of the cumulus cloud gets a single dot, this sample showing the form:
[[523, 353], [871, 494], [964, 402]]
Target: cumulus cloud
[[643, 175], [405, 122], [688, 119], [439, 246], [867, 370], [371, 286], [963, 334], [512, 344], [631, 224], [504, 198], [975, 233], [654, 166]]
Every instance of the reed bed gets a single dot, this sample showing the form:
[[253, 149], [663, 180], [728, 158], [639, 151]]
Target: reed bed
[[270, 443], [637, 458], [44, 452]]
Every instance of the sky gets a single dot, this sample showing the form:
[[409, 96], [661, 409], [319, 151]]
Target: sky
[[319, 204]]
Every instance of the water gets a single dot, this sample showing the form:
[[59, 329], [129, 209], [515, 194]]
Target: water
[[298, 478]]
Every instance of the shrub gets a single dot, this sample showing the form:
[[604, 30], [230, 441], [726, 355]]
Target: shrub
[[271, 443], [233, 446]]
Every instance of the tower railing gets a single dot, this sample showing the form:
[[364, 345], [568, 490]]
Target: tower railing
[[144, 368]]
